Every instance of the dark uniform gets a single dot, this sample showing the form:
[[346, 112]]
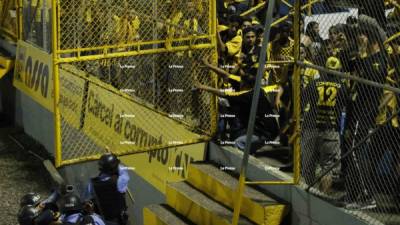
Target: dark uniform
[[108, 189], [112, 202], [35, 211], [73, 213]]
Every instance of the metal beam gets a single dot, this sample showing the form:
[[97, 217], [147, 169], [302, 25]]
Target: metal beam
[[253, 111], [350, 77]]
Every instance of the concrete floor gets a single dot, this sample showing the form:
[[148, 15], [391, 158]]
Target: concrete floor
[[20, 173]]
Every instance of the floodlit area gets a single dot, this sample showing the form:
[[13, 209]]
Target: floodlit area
[[209, 112]]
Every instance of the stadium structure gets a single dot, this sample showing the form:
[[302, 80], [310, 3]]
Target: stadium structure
[[87, 77]]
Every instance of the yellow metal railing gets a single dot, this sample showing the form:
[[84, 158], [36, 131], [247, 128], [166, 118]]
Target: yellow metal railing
[[178, 42], [96, 59], [296, 114], [56, 80]]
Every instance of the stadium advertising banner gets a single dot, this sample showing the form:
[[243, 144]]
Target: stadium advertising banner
[[166, 165], [72, 91], [34, 76], [125, 126]]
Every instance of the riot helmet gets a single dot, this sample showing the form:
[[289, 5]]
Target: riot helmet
[[30, 199], [108, 163], [70, 203]]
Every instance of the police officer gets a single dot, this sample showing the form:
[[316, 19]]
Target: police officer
[[34, 215], [109, 188], [34, 211], [73, 213]]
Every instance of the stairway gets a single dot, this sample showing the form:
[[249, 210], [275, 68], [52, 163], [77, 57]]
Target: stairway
[[207, 198]]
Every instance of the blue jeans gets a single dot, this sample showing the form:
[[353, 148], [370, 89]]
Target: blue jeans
[[256, 143]]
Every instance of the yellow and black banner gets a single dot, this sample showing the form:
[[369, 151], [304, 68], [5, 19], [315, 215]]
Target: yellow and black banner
[[33, 74], [170, 164]]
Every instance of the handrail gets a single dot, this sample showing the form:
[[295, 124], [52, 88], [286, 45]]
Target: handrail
[[253, 111]]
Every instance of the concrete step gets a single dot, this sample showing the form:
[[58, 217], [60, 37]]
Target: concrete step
[[162, 215], [197, 207], [221, 186]]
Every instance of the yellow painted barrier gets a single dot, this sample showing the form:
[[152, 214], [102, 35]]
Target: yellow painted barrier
[[160, 215], [197, 207], [150, 218], [165, 165], [33, 74], [6, 64], [222, 187], [125, 125]]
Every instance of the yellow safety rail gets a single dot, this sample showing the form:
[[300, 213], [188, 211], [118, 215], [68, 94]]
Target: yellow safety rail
[[296, 114], [117, 74], [123, 76]]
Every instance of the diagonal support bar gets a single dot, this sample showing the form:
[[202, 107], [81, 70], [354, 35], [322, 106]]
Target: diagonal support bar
[[253, 111]]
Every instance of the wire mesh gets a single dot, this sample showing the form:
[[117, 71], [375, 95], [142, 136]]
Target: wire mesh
[[91, 24], [351, 128], [8, 18], [134, 104]]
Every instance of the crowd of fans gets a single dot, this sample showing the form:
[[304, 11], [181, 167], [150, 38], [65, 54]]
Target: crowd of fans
[[239, 45], [337, 114]]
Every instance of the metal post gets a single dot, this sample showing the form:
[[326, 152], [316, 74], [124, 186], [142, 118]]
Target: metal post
[[213, 32], [296, 93], [154, 62], [253, 111], [350, 77], [56, 83], [44, 10], [253, 10], [19, 19]]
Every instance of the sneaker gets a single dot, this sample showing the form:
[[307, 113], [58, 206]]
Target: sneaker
[[325, 184], [362, 205]]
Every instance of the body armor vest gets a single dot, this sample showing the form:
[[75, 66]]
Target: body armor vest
[[111, 201]]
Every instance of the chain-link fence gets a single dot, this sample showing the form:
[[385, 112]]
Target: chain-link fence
[[128, 84], [134, 104], [8, 18], [131, 25], [350, 130]]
